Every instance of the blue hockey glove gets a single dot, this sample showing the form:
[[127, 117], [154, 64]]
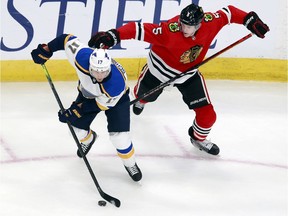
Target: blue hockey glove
[[40, 55], [71, 114]]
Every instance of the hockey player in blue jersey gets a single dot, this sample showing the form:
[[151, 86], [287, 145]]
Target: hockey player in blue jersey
[[102, 87]]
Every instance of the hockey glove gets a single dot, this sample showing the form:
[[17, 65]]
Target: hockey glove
[[71, 114], [255, 24], [41, 55], [104, 40]]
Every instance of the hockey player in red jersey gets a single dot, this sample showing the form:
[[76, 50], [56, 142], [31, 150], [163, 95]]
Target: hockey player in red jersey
[[176, 46]]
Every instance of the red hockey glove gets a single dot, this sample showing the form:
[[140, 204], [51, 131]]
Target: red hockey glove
[[104, 40], [255, 24]]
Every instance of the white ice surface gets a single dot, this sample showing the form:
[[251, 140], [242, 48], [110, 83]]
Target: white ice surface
[[41, 175]]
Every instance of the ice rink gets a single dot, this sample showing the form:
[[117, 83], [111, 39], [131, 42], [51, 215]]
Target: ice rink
[[41, 174]]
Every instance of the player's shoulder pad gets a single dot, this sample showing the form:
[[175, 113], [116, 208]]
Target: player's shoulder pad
[[173, 24], [224, 12], [82, 59], [119, 67], [78, 53], [116, 83], [208, 16]]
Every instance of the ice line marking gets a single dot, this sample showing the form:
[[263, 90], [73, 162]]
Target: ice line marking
[[19, 160], [188, 157], [176, 140], [217, 159], [7, 149]]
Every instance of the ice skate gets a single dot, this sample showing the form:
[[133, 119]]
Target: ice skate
[[86, 147], [205, 145], [134, 172], [138, 108]]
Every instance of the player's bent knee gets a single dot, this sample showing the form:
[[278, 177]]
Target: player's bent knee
[[206, 115]]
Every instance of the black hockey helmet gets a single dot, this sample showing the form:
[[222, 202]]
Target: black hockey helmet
[[192, 15]]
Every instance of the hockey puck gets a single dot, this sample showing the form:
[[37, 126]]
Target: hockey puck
[[102, 203]]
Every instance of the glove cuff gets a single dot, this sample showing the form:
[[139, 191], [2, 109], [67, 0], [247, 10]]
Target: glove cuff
[[250, 17], [57, 43], [115, 35]]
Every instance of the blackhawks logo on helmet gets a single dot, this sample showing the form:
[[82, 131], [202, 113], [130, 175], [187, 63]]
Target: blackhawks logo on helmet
[[174, 27], [191, 54]]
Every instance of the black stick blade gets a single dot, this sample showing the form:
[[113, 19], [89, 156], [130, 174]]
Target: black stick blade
[[110, 199]]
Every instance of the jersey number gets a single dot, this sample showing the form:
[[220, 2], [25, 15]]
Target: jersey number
[[216, 15], [73, 47], [157, 31]]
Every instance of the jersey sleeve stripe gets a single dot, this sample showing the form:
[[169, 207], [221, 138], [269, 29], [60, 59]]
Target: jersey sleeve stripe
[[139, 31], [68, 38], [156, 60], [227, 12]]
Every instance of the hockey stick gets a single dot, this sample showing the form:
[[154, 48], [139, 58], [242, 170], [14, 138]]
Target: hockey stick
[[105, 196], [163, 85]]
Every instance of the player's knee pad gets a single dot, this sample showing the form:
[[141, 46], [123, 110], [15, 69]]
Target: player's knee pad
[[205, 116], [124, 147], [204, 120]]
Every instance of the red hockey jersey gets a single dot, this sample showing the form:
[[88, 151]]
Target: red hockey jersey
[[171, 53]]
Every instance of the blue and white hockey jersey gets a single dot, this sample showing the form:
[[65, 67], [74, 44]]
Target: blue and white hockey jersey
[[110, 90]]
